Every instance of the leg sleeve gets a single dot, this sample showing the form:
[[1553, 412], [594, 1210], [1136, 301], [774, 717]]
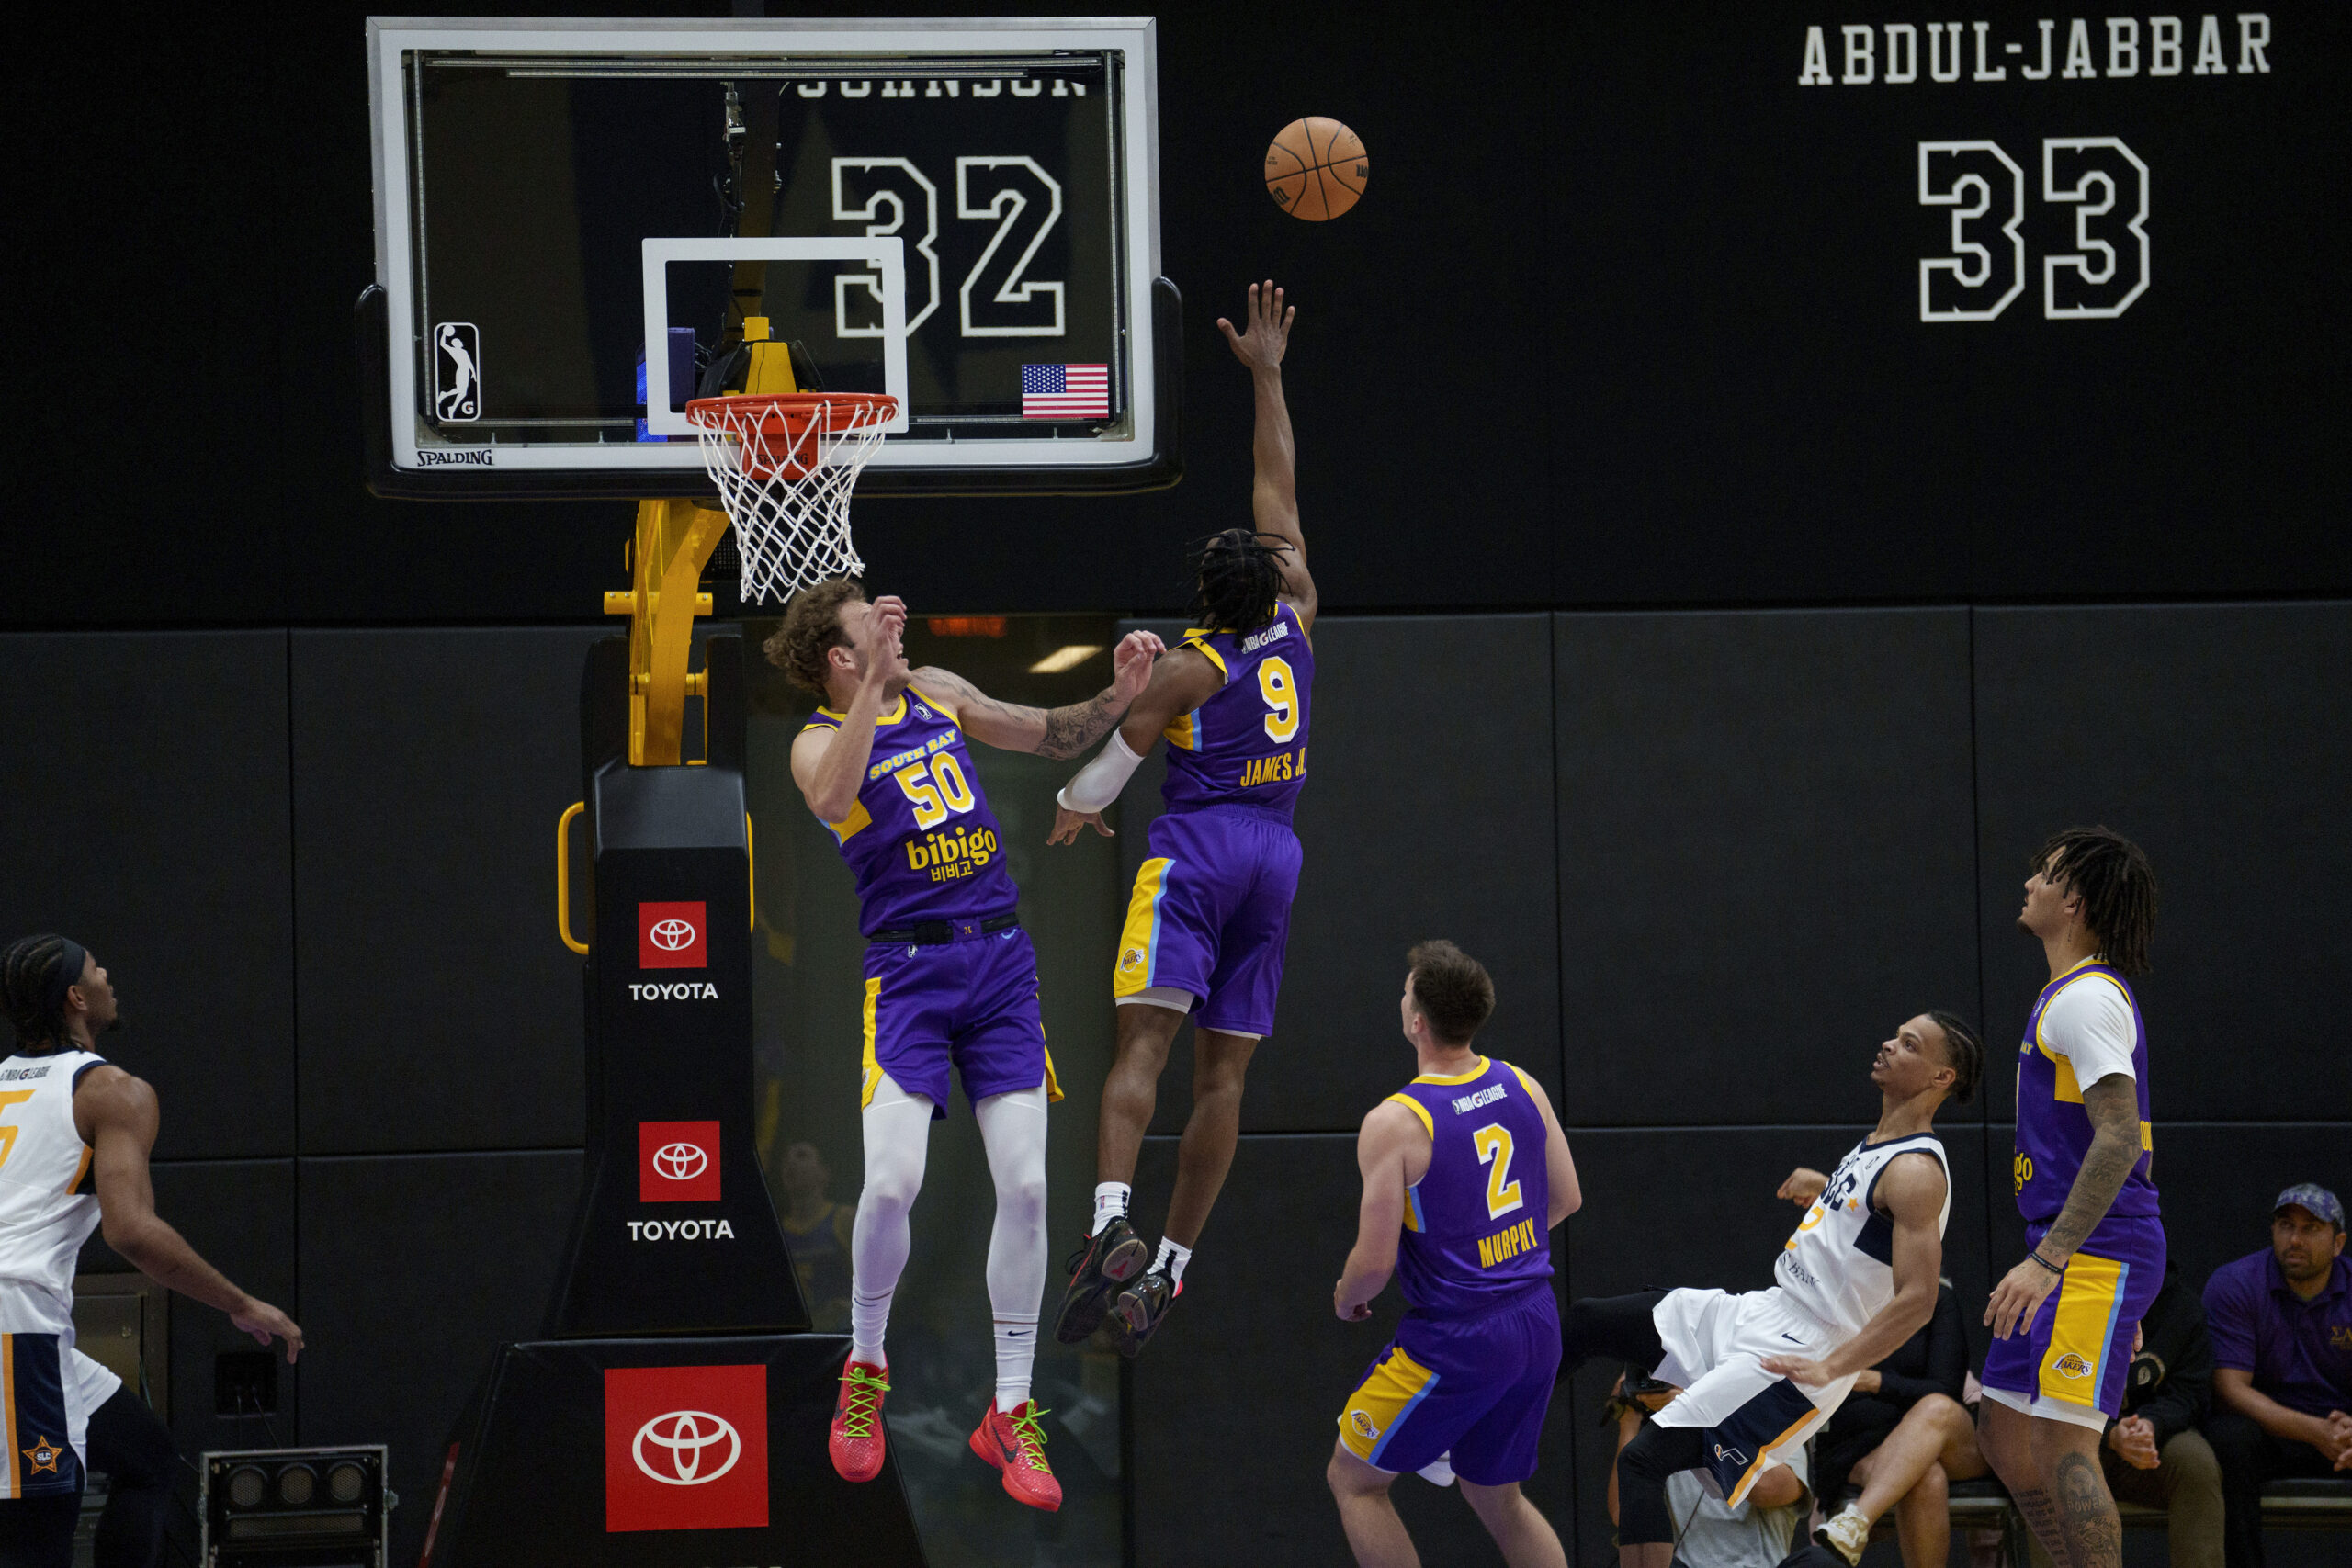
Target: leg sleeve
[[133, 1449], [1620, 1327], [1643, 1467]]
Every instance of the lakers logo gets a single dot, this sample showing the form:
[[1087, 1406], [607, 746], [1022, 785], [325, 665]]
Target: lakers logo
[[1130, 960], [1363, 1425], [2071, 1366]]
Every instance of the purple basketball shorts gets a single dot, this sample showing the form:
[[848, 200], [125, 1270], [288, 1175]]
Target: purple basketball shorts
[[971, 1003], [1475, 1388], [2070, 1362], [1211, 914]]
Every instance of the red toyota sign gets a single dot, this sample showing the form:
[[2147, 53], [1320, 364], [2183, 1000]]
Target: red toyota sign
[[677, 1162], [669, 936], [685, 1448]]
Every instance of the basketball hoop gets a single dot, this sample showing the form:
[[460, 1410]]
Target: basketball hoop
[[785, 465]]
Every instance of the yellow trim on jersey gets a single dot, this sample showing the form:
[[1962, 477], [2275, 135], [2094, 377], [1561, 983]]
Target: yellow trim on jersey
[[1192, 636], [81, 1170], [1140, 938], [8, 1414], [934, 702], [872, 1068], [1053, 1084], [1182, 732], [2066, 1089], [893, 716], [2088, 1296], [1525, 1082], [850, 826], [1417, 1109], [1386, 1396], [1749, 1477], [1477, 1071]]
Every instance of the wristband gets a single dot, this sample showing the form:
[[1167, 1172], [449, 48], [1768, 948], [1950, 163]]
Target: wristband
[[2057, 1268]]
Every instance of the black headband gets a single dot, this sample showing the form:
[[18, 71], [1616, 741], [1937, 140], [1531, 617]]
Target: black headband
[[69, 974]]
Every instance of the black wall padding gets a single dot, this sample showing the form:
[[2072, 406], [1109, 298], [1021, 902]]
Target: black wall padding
[[439, 1008], [2214, 737], [239, 1214], [1669, 1207], [145, 782], [414, 1270], [1427, 812], [1239, 1396], [1766, 853]]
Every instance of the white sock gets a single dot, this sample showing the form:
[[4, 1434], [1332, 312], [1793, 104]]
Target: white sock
[[1172, 1257], [1110, 1203], [1016, 1352], [1013, 1130], [869, 1317], [898, 1134]]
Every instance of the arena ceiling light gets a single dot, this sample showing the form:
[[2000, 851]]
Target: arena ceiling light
[[1068, 657]]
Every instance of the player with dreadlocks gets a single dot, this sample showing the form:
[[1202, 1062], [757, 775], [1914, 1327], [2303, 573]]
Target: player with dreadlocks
[[75, 1134], [2063, 1319], [1211, 911]]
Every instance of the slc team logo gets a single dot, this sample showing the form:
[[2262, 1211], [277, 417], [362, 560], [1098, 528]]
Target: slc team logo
[[2070, 1365]]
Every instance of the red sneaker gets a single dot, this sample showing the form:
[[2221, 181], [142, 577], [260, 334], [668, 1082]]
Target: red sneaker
[[1013, 1441], [856, 1440]]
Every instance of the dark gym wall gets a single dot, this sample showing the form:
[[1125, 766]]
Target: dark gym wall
[[1629, 316]]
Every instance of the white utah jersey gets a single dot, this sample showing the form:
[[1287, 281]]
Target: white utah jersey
[[48, 1202], [1839, 1266]]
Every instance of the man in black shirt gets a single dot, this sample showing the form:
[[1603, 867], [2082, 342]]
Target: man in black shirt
[[1903, 1435], [2154, 1455]]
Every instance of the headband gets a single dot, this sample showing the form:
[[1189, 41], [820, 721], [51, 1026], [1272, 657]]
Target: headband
[[68, 975]]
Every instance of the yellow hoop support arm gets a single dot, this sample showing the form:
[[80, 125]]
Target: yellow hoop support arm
[[673, 542], [563, 877]]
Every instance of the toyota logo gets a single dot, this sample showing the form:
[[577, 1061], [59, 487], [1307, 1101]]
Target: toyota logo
[[680, 1162], [672, 936], [681, 1438]]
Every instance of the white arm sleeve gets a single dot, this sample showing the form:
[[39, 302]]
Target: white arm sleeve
[[2089, 1023], [1098, 783]]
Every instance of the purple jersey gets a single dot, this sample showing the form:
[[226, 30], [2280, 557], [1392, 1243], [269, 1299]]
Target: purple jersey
[[921, 839], [2054, 1129], [1246, 745], [1477, 1224]]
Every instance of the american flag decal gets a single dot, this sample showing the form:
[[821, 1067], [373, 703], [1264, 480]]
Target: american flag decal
[[1065, 391]]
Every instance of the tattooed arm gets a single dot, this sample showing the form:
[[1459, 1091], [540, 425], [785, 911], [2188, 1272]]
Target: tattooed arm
[[2113, 1106], [1058, 733]]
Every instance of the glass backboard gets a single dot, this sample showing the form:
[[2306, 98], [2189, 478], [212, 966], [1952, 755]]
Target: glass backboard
[[963, 213]]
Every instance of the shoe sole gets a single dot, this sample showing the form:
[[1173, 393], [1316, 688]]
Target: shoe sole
[[1137, 1324], [1083, 1314]]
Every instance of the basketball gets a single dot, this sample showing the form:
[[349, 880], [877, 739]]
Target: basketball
[[1315, 168]]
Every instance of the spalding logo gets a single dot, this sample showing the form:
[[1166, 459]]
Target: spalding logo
[[2071, 1366], [1363, 1424], [1129, 959]]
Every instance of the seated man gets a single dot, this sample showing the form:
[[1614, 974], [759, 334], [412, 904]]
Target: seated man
[[2154, 1455], [1710, 1533], [1902, 1434], [2281, 1325]]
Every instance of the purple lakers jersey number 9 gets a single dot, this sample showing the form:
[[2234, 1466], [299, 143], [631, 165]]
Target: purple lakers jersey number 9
[[1246, 745]]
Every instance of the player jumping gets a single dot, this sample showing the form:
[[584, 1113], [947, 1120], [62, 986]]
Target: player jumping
[[2063, 1318], [1211, 911], [76, 1132], [1761, 1370], [1466, 1173], [950, 978]]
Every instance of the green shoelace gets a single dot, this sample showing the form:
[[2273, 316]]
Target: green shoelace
[[1032, 1439], [865, 1391]]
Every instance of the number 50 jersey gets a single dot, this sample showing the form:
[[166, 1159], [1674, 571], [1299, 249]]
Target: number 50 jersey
[[921, 840], [1477, 1224], [1246, 745]]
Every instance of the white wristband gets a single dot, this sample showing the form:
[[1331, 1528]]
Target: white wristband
[[1098, 783]]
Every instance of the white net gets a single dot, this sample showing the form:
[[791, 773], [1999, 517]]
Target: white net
[[791, 502]]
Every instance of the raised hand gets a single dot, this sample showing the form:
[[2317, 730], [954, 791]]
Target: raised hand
[[1803, 1187], [881, 632], [1067, 822], [1265, 336], [1131, 664]]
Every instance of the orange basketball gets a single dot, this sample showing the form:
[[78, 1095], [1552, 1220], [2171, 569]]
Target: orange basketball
[[1316, 168]]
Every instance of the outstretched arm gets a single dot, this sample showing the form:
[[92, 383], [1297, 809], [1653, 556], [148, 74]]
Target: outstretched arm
[[117, 1115], [2113, 1105], [1059, 732], [829, 764], [1273, 497], [1180, 683], [1912, 1192], [1390, 1134]]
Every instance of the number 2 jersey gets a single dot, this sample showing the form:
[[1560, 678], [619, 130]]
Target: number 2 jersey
[[921, 840], [1246, 744], [1477, 1224], [1840, 1265]]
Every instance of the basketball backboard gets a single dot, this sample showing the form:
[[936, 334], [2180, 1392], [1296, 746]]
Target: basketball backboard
[[962, 213]]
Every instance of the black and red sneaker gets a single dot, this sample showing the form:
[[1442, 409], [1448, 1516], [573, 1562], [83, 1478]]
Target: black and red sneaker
[[1104, 1262], [1142, 1307]]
